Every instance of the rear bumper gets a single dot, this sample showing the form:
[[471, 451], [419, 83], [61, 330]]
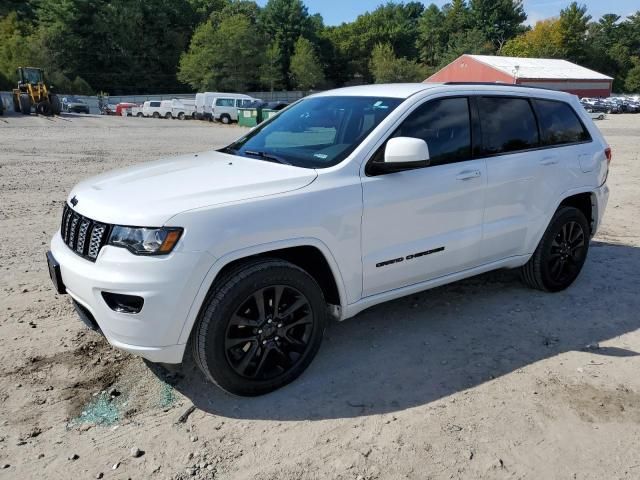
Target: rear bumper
[[602, 199], [167, 284]]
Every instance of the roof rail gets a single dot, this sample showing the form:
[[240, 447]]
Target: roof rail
[[501, 84]]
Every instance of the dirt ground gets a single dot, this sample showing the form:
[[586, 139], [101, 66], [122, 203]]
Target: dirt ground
[[479, 379]]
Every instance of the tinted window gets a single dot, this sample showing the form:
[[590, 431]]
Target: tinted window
[[224, 102], [559, 123], [445, 126], [154, 104], [508, 124]]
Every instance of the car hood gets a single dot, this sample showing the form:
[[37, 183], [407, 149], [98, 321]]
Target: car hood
[[151, 193]]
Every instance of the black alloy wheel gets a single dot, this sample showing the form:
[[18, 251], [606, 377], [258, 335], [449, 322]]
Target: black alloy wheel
[[567, 252], [260, 326], [561, 253], [269, 332]]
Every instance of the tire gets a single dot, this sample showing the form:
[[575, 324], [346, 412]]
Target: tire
[[277, 349], [181, 116], [139, 114], [155, 115], [56, 104], [561, 245], [44, 108], [25, 104], [168, 115], [226, 119]]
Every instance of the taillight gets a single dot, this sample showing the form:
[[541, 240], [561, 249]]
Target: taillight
[[607, 153]]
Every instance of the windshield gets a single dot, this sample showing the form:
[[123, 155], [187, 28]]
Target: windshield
[[317, 132]]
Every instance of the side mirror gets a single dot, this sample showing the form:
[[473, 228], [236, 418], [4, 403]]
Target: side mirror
[[402, 153]]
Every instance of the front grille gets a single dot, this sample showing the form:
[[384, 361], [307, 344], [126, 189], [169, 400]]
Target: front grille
[[82, 235]]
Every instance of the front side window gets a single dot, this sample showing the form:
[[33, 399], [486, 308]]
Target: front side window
[[154, 104], [508, 125], [446, 127], [559, 123], [224, 102], [317, 132]]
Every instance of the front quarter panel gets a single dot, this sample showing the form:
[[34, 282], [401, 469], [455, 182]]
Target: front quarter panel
[[325, 214]]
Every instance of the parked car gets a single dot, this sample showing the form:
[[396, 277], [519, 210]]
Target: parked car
[[600, 106], [204, 103], [74, 105], [125, 106], [225, 108], [157, 108], [346, 199], [183, 109]]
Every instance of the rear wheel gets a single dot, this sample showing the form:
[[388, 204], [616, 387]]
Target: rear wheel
[[260, 327], [25, 104], [155, 115], [168, 115], [139, 114], [44, 108], [561, 253], [226, 119], [56, 105], [181, 116]]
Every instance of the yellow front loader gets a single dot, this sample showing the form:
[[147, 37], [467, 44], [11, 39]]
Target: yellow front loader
[[32, 92]]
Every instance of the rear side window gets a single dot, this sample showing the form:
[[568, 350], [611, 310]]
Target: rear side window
[[508, 125], [225, 102], [154, 104], [445, 126], [559, 123]]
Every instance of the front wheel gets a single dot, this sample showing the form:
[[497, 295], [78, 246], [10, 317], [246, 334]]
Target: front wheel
[[260, 327], [561, 253]]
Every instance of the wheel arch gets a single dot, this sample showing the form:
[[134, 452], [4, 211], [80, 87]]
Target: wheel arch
[[312, 255], [585, 201]]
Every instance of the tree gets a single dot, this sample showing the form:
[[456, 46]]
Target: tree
[[392, 23], [498, 20], [226, 56], [285, 21], [632, 82], [306, 71], [271, 70], [545, 40], [386, 67], [574, 24], [469, 42], [433, 35]]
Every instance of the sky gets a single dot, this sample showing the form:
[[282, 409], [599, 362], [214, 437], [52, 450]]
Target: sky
[[335, 12]]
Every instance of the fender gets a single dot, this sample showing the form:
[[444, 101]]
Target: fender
[[536, 235], [225, 260]]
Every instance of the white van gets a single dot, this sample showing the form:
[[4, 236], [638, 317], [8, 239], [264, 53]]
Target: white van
[[183, 108], [204, 101], [225, 108], [157, 108]]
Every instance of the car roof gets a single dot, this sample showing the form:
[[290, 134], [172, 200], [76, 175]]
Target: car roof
[[406, 90]]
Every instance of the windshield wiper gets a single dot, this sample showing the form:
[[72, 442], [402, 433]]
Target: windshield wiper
[[267, 156]]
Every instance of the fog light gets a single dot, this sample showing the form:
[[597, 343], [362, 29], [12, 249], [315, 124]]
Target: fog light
[[123, 303]]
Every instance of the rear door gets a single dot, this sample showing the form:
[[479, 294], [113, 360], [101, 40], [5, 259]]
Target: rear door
[[523, 176], [422, 224]]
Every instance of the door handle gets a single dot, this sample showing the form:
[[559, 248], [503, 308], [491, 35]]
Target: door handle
[[468, 174], [549, 161]]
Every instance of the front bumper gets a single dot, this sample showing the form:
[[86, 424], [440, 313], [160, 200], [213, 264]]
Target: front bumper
[[167, 284]]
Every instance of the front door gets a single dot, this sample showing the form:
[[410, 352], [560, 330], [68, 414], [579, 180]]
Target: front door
[[421, 224]]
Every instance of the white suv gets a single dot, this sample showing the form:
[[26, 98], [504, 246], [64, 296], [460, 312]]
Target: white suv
[[346, 199]]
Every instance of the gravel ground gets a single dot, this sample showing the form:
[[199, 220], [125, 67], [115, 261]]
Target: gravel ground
[[479, 379]]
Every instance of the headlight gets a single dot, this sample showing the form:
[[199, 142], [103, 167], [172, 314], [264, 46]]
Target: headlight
[[145, 241]]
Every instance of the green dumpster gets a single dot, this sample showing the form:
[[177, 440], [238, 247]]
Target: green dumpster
[[248, 117], [267, 113]]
